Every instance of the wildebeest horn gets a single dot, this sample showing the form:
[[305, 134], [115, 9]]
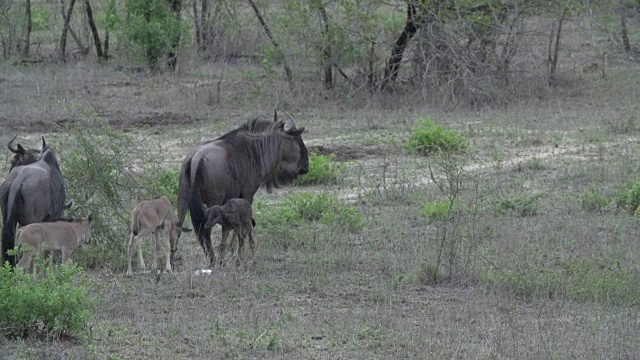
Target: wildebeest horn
[[44, 143], [10, 145], [293, 122], [275, 115]]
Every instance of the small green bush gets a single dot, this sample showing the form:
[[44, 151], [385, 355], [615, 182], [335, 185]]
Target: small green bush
[[429, 137], [325, 208], [102, 180], [438, 210], [160, 181], [323, 169], [628, 198], [56, 304], [521, 204], [593, 200], [40, 18], [535, 164], [597, 280]]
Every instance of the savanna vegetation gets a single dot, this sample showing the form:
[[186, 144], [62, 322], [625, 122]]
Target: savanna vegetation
[[473, 188]]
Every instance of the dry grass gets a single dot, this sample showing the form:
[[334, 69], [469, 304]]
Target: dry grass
[[319, 292]]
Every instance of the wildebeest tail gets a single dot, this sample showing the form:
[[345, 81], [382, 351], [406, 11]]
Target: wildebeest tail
[[198, 217], [9, 224]]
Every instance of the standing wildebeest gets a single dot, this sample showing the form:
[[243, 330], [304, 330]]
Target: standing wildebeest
[[63, 235], [23, 156], [31, 193], [235, 214], [150, 217], [235, 165]]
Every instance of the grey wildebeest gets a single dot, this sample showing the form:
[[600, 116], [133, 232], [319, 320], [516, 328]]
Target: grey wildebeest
[[151, 217], [31, 193], [63, 235], [236, 215], [235, 165]]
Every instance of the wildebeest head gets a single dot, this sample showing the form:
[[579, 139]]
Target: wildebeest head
[[23, 156], [214, 216], [294, 155]]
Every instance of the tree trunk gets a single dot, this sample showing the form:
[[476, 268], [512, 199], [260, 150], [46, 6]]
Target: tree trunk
[[287, 71], [94, 30], [326, 48], [172, 58], [205, 12], [623, 26], [65, 29], [397, 51], [152, 56], [27, 32], [554, 49], [197, 26], [106, 44]]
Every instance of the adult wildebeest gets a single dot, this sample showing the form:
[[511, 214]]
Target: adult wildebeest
[[23, 156], [151, 217], [63, 235], [235, 214], [31, 193], [235, 165]]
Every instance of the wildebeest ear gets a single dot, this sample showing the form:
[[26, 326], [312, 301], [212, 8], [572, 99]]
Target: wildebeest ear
[[296, 131]]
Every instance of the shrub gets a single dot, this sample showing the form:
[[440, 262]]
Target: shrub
[[438, 210], [593, 200], [587, 280], [521, 204], [429, 136], [153, 29], [323, 169], [628, 197], [105, 175], [54, 305], [324, 208]]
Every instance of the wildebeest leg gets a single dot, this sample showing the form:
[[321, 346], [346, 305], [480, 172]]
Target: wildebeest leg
[[138, 245], [66, 255], [156, 244], [167, 250], [223, 243], [205, 241], [252, 243], [130, 253], [237, 248], [25, 262]]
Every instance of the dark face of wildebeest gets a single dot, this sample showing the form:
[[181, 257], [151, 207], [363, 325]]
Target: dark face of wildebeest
[[31, 193], [23, 156], [260, 153]]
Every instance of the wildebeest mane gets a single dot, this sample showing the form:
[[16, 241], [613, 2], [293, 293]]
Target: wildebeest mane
[[248, 146]]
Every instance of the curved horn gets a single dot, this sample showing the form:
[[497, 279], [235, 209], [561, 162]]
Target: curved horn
[[10, 145], [44, 143], [275, 115], [293, 122]]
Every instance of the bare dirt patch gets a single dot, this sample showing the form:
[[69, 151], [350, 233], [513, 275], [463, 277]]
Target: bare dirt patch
[[346, 152]]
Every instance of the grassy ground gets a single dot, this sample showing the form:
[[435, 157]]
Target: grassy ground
[[547, 276]]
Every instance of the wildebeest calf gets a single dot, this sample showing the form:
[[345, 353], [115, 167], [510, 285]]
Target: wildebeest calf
[[61, 235], [234, 215], [151, 217]]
